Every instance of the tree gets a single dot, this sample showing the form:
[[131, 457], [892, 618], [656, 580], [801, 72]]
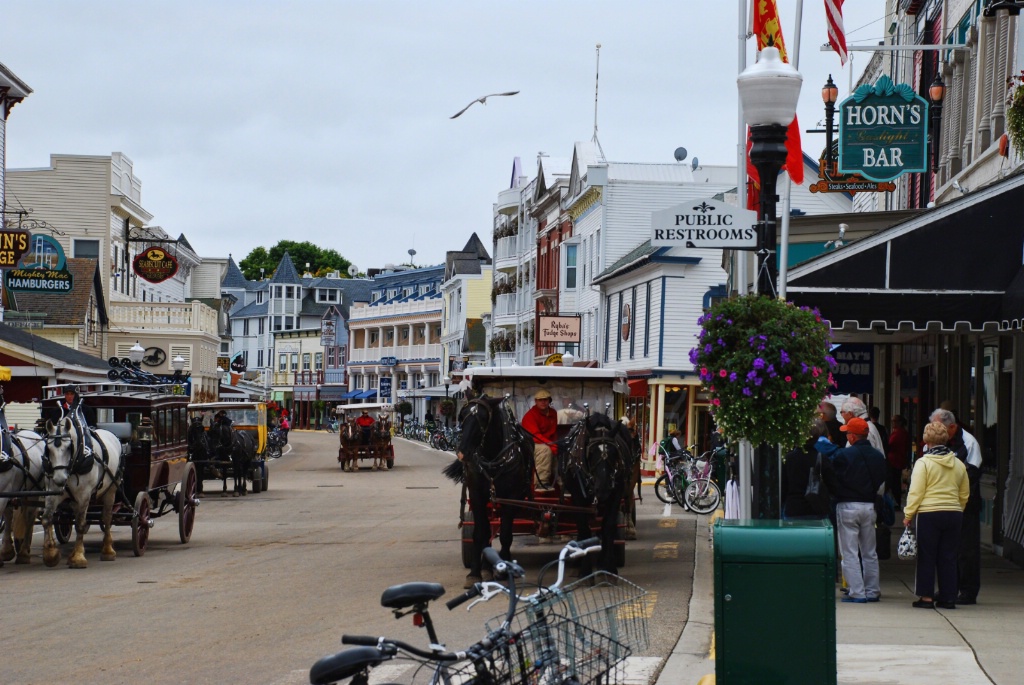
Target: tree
[[321, 260]]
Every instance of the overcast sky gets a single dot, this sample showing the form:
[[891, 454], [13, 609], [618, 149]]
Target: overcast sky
[[249, 122]]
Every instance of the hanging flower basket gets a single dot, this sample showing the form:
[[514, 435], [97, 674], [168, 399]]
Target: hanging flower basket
[[1015, 111], [766, 365]]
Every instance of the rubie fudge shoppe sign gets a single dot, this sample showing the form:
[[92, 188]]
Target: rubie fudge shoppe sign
[[883, 131], [558, 329]]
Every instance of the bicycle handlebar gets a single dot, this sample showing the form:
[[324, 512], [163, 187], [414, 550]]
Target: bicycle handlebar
[[464, 597], [389, 647], [500, 566]]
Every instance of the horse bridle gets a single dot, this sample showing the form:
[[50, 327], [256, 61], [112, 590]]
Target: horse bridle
[[581, 464], [505, 459], [77, 465]]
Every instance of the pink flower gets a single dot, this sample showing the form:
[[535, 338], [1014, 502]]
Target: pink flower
[[793, 395], [723, 373], [815, 372], [716, 402], [789, 379]]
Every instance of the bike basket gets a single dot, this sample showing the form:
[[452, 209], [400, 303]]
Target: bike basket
[[554, 650], [603, 602]]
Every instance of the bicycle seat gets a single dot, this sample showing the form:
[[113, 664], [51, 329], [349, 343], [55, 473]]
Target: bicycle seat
[[344, 665], [410, 594]]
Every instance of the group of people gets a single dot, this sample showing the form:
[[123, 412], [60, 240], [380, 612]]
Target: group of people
[[859, 462]]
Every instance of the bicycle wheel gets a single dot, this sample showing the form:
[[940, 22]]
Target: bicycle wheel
[[702, 496], [663, 489]]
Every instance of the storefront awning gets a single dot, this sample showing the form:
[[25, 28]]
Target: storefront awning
[[366, 394], [955, 268], [351, 394], [638, 387]]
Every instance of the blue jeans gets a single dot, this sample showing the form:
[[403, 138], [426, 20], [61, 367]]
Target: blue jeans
[[857, 536]]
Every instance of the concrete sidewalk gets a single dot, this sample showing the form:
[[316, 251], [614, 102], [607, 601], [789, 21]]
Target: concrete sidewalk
[[888, 643]]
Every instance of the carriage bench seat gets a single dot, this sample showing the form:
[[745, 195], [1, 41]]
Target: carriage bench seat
[[122, 430], [410, 594]]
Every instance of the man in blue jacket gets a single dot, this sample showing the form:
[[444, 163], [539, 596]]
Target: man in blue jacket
[[860, 472]]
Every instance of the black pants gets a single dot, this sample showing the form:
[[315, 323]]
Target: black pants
[[969, 562], [894, 482], [938, 539]]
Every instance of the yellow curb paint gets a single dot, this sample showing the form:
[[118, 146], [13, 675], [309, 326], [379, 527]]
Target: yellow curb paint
[[668, 523], [711, 652], [709, 679], [666, 550]]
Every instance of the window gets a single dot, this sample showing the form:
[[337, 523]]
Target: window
[[306, 360], [278, 291], [295, 361], [330, 357], [277, 323], [326, 295], [357, 383], [282, 362], [374, 336], [259, 359], [262, 325], [289, 292], [318, 361], [89, 249], [245, 327], [259, 297], [570, 265], [371, 381]]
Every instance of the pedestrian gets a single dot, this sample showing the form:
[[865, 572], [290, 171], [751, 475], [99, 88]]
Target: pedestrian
[[541, 422], [939, 491], [969, 453], [796, 471], [827, 412], [860, 472], [853, 407], [897, 455], [874, 413]]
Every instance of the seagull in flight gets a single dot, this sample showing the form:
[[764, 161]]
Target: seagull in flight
[[482, 101]]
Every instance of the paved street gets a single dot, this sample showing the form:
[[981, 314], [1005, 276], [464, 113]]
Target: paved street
[[269, 582]]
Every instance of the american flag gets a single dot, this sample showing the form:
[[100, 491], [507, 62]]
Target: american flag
[[836, 34]]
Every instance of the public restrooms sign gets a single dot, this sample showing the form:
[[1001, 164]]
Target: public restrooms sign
[[883, 131], [707, 223]]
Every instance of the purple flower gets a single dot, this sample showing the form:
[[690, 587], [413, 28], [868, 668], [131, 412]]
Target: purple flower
[[694, 354], [747, 392], [732, 377], [784, 356], [708, 348], [721, 342], [758, 363], [758, 381], [751, 375], [803, 367]]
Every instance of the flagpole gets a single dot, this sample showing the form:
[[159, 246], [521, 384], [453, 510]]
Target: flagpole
[[740, 256], [783, 260]]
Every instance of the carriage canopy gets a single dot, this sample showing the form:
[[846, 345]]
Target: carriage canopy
[[572, 389], [248, 416]]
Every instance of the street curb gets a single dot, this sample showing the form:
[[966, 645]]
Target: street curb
[[690, 659]]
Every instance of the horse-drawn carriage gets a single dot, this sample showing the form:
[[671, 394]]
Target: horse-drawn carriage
[[229, 440], [596, 461], [360, 439], [129, 469]]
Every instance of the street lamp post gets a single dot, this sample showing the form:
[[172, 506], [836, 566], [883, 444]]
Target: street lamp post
[[768, 90], [829, 95], [447, 417], [220, 377], [136, 353], [936, 92]]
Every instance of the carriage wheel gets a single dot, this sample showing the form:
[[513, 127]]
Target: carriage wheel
[[140, 524], [257, 479], [63, 525], [467, 539], [187, 503], [619, 546], [266, 478], [391, 458]]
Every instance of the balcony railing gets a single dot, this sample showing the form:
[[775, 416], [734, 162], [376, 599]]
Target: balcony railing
[[417, 307], [506, 248], [505, 304], [168, 316], [400, 353]]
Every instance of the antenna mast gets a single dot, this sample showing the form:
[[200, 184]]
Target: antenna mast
[[597, 75]]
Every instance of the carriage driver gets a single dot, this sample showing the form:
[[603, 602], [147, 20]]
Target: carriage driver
[[541, 421], [71, 407], [365, 423]]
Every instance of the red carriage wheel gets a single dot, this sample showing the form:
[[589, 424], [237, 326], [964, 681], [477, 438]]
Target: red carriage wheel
[[187, 503]]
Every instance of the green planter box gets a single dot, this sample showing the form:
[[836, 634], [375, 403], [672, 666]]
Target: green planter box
[[775, 611]]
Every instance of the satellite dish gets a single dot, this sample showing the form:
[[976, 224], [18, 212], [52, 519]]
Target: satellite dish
[[694, 164], [353, 270], [680, 154], [412, 253]]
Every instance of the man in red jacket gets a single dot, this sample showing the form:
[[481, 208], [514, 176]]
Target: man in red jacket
[[541, 421]]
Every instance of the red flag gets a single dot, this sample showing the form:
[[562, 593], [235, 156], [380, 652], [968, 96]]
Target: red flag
[[769, 34], [836, 33]]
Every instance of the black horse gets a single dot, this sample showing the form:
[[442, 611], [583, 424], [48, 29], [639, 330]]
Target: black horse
[[495, 460], [594, 467], [238, 447]]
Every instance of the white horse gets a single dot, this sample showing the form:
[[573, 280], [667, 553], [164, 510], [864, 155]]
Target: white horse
[[81, 478], [20, 470]]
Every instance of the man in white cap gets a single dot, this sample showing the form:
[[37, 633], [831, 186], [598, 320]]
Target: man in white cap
[[541, 421]]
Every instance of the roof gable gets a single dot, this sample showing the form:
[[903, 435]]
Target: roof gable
[[233, 276], [285, 272]]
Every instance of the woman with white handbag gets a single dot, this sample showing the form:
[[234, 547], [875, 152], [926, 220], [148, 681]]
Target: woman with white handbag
[[938, 493]]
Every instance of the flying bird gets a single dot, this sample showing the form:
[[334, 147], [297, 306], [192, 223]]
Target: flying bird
[[482, 101]]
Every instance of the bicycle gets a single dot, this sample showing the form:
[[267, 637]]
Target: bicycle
[[702, 494], [275, 443], [671, 485], [547, 649]]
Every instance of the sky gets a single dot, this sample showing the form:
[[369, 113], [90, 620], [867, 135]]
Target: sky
[[252, 122]]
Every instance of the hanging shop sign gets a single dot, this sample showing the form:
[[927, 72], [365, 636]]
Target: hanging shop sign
[[707, 223], [42, 268], [328, 328], [155, 264], [831, 181], [384, 388], [14, 243], [883, 131], [558, 329]]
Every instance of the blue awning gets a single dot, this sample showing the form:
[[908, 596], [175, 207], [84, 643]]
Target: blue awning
[[366, 394], [351, 394]]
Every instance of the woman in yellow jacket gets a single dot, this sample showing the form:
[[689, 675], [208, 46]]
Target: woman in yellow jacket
[[939, 490]]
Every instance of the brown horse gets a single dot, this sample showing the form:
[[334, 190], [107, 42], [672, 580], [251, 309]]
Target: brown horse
[[380, 442], [349, 436]]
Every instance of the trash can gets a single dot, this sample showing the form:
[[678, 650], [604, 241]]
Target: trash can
[[775, 611]]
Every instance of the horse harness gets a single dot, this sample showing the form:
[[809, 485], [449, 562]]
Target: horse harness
[[10, 460], [582, 463], [80, 464]]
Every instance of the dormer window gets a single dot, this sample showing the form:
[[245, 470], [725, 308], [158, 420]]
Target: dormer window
[[327, 295]]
